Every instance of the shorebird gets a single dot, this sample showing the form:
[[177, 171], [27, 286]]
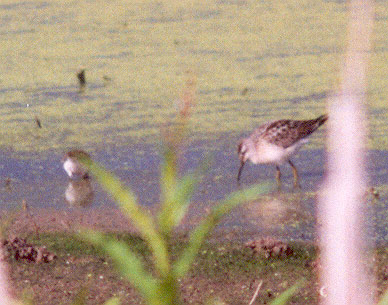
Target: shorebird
[[275, 142], [72, 166]]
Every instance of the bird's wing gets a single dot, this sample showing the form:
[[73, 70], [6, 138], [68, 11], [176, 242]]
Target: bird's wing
[[283, 133]]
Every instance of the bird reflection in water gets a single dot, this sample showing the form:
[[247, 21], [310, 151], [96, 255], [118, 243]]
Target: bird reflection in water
[[79, 193]]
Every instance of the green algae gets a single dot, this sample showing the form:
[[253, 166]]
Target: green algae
[[253, 61]]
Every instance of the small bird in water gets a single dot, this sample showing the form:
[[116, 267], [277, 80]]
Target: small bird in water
[[275, 142], [72, 165]]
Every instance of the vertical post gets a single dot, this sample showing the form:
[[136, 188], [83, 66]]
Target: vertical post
[[341, 207], [5, 296]]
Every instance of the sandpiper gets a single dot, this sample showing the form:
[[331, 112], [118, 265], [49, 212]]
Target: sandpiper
[[275, 142], [72, 166]]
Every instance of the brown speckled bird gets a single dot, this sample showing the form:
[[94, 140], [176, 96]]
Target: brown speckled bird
[[275, 142]]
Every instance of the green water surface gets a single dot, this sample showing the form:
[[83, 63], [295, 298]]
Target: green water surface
[[253, 61]]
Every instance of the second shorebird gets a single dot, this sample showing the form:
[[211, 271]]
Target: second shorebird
[[275, 142], [72, 166]]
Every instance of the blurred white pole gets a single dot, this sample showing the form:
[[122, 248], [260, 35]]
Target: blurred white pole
[[341, 207], [5, 297]]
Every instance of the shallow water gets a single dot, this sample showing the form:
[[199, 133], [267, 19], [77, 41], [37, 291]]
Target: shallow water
[[138, 167], [289, 214]]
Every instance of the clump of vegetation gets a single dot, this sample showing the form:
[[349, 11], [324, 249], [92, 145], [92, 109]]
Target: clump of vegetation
[[19, 249], [270, 247]]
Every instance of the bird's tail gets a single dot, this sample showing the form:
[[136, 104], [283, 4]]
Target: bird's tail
[[309, 126], [322, 119]]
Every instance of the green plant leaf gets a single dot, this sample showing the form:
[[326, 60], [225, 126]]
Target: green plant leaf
[[127, 262], [175, 207], [113, 301], [177, 192], [128, 203], [198, 235], [168, 173], [183, 195], [168, 188], [286, 295]]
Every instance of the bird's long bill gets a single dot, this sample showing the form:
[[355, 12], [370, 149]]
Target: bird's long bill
[[240, 171]]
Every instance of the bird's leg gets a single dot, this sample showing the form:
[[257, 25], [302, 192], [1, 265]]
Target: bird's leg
[[296, 176], [278, 176]]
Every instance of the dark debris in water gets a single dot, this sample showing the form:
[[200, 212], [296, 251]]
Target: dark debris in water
[[82, 80], [373, 192], [270, 248], [19, 249]]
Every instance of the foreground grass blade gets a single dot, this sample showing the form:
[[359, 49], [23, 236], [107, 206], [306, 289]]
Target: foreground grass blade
[[127, 263], [113, 301], [199, 234], [175, 209], [127, 202], [177, 192], [168, 178], [283, 298]]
